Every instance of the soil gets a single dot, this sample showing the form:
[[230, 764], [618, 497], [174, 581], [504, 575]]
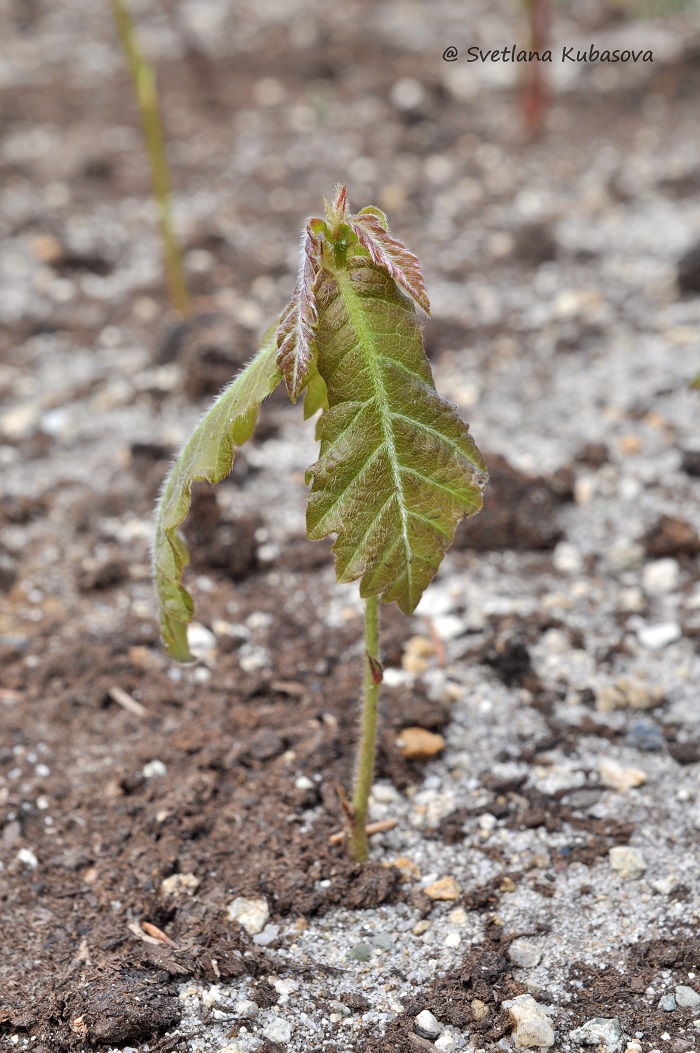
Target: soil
[[566, 312]]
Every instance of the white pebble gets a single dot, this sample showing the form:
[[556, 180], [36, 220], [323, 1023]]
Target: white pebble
[[251, 914], [407, 94], [201, 640], [660, 576], [603, 1032], [628, 862], [655, 637], [154, 769], [278, 1030], [246, 1008], [427, 1025], [524, 953], [687, 997], [532, 1025], [446, 1043], [27, 858], [616, 777], [267, 936], [567, 558]]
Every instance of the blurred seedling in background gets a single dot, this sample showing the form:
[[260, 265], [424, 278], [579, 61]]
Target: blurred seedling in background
[[147, 98], [397, 467]]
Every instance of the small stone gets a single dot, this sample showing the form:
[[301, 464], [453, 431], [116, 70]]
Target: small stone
[[359, 953], [341, 1010], [479, 1009], [267, 936], [421, 926], [426, 1024], [446, 1043], [533, 1028], [453, 939], [26, 857], [413, 663], [628, 862], [420, 646], [251, 914], [648, 738], [407, 94], [246, 1008], [179, 884], [278, 1030], [419, 744], [668, 1003], [687, 997], [600, 1031], [154, 769], [656, 637], [383, 940], [458, 916], [661, 576], [639, 695], [201, 641], [616, 777], [672, 536], [665, 885], [445, 888], [408, 869], [567, 558], [524, 953]]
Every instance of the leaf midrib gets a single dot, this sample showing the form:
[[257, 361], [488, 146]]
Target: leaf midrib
[[372, 355]]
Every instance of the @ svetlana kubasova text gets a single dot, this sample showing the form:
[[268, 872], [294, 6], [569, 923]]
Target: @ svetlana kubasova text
[[512, 53]]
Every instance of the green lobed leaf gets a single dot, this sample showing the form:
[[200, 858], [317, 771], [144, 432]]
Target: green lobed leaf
[[397, 468], [206, 457]]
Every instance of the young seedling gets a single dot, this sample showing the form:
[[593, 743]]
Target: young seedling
[[397, 467], [147, 98]]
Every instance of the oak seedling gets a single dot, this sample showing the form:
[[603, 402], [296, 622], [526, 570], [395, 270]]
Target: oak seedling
[[397, 467]]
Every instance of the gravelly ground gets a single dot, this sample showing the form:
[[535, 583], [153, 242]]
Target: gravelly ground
[[560, 332]]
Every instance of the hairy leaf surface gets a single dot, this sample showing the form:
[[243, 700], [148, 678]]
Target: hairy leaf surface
[[207, 457], [397, 467]]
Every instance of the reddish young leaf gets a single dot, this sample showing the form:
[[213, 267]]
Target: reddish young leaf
[[392, 256], [295, 333]]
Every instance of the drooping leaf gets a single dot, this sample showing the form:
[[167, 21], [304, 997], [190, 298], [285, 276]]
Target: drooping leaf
[[207, 457], [397, 468]]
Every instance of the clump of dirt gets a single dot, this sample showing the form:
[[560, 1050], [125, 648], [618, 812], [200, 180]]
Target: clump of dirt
[[520, 511]]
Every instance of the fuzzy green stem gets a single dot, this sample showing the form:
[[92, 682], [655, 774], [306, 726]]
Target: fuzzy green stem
[[147, 96], [368, 733]]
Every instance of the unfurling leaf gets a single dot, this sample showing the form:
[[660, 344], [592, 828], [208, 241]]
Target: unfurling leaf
[[397, 467], [207, 457], [295, 331], [391, 255]]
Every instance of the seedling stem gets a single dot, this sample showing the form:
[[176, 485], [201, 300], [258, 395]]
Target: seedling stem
[[147, 97], [368, 732]]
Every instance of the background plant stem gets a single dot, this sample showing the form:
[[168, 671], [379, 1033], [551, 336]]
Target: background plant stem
[[147, 96], [368, 733]]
